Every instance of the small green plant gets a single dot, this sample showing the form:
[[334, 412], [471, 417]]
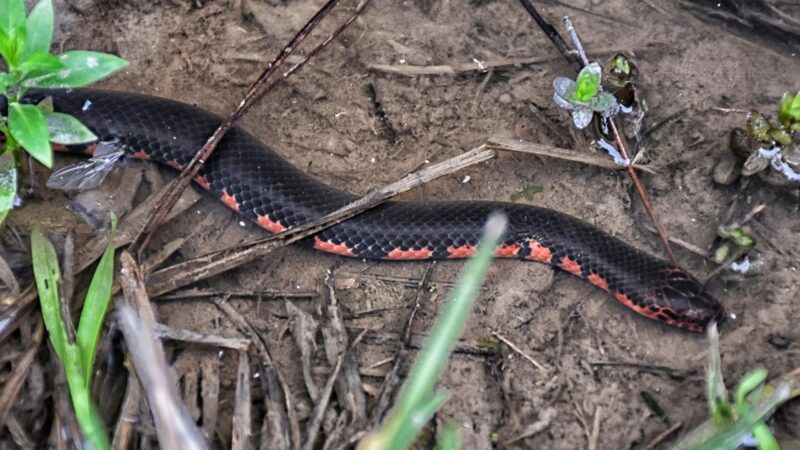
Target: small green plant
[[736, 422], [418, 400], [583, 96], [735, 243], [767, 144], [25, 48], [75, 349]]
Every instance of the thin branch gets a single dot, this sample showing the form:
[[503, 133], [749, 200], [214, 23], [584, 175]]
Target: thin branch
[[411, 70], [172, 192], [552, 34], [171, 278], [519, 351], [516, 145], [662, 236], [576, 41], [315, 50]]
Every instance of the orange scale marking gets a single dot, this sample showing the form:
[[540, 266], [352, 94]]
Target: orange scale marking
[[201, 180], [229, 200], [571, 266], [410, 254], [464, 251], [174, 164], [329, 247], [598, 281], [657, 315], [507, 251], [141, 155], [273, 227], [540, 253]]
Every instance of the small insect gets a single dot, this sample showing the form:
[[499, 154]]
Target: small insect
[[89, 173]]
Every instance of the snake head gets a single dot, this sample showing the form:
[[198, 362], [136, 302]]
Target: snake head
[[685, 303]]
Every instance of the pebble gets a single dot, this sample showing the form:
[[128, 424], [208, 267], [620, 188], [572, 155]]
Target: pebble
[[727, 170]]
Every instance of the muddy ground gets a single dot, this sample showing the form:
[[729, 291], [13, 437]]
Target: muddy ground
[[358, 128]]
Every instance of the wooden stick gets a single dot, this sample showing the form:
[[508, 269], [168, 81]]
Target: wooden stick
[[179, 275]]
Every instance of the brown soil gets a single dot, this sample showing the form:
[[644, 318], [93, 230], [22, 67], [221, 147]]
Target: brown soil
[[599, 357]]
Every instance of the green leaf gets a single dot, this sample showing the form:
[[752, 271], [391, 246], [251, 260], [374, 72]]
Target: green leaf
[[27, 124], [620, 65], [39, 34], [12, 44], [785, 109], [46, 105], [6, 80], [758, 126], [722, 252], [39, 64], [603, 102], [749, 382], [588, 82], [48, 278], [95, 306], [81, 68], [527, 193], [8, 184], [12, 16], [67, 130], [794, 111], [764, 438], [780, 136]]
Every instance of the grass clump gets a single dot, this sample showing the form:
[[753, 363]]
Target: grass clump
[[75, 349]]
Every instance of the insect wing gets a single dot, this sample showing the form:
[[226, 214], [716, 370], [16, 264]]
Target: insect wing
[[86, 174]]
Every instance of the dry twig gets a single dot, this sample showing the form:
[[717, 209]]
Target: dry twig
[[179, 275], [516, 145], [519, 351], [176, 430], [241, 410]]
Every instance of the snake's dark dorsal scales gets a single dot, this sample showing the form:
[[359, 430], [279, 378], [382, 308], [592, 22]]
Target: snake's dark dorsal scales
[[265, 188]]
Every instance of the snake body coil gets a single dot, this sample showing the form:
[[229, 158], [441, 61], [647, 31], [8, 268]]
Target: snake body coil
[[266, 189]]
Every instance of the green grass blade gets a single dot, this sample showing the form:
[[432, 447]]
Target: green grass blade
[[764, 437], [718, 405], [449, 439], [417, 392], [419, 417], [48, 276], [730, 436], [89, 420], [8, 184], [749, 382], [95, 306], [39, 33]]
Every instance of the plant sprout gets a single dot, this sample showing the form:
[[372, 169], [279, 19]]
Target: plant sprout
[[583, 96]]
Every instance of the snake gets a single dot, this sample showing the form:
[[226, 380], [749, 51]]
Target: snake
[[265, 188]]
